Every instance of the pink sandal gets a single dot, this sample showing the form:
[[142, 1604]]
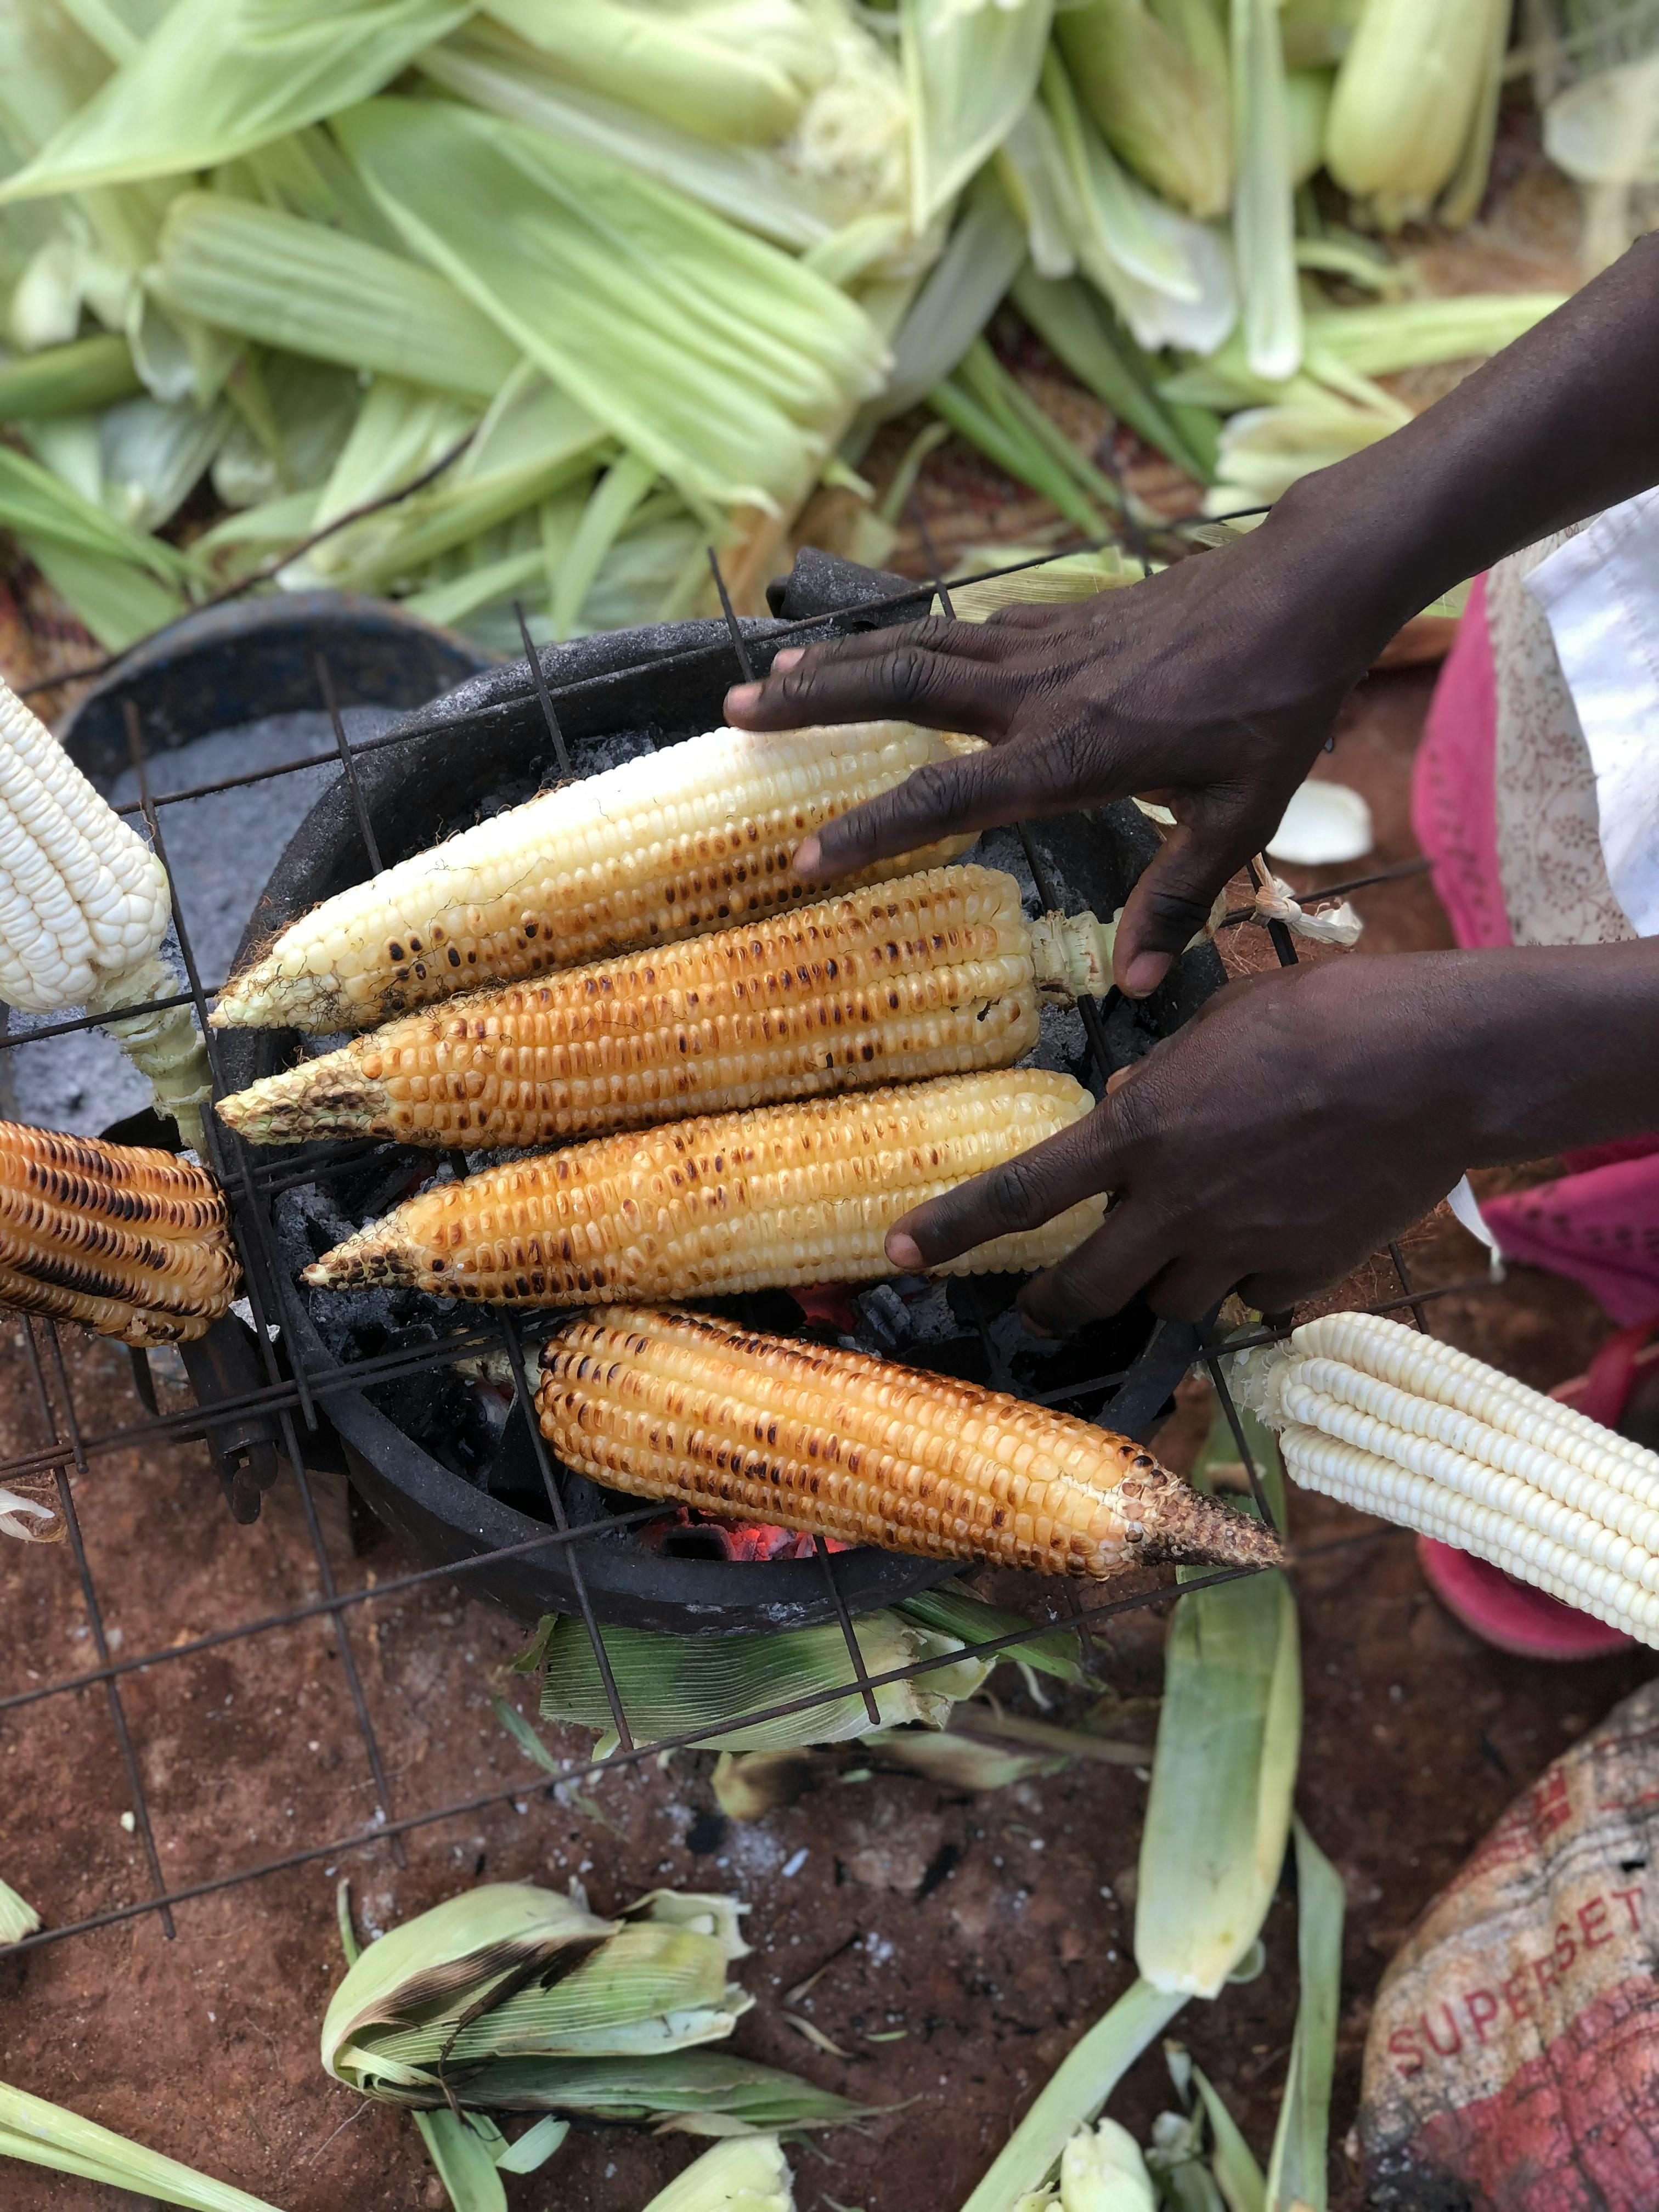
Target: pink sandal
[[1513, 1616]]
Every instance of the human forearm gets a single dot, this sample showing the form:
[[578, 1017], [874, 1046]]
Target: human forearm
[[1561, 424], [1304, 1118], [1547, 1048]]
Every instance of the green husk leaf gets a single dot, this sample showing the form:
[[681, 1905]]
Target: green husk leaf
[[1264, 203], [462, 2148], [1399, 334], [289, 438], [63, 379], [1028, 167], [1409, 94], [1073, 2096], [708, 353], [467, 1947], [154, 453], [1174, 2159], [1297, 2172], [311, 289], [40, 508], [956, 300], [970, 66], [1219, 1812], [958, 1612], [609, 505], [1058, 583], [734, 69], [18, 1917], [1013, 448], [1265, 450], [217, 77], [1317, 32], [845, 159], [1154, 75], [958, 1759], [1168, 276], [749, 1784], [750, 2174], [689, 2090], [534, 2146], [1081, 331], [671, 1685], [1307, 100], [1240, 2179], [42, 2134], [983, 375]]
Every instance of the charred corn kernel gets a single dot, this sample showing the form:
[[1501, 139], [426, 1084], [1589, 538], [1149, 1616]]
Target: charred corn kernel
[[133, 1243], [660, 849], [936, 975], [1393, 1422], [729, 1202], [677, 1406]]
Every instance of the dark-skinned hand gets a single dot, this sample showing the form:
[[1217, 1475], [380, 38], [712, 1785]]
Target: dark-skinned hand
[[1268, 1145], [1196, 685]]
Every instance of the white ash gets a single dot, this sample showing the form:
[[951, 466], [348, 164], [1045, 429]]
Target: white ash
[[221, 848]]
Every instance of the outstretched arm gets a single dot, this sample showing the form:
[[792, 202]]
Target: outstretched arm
[[1302, 1119], [1217, 681]]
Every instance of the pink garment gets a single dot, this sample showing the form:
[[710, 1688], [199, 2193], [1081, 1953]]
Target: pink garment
[[1599, 1226]]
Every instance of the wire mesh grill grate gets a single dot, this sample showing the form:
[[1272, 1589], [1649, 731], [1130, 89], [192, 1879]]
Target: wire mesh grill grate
[[291, 1401]]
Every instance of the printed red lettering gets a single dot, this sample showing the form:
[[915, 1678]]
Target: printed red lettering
[[1566, 1950], [1545, 1970], [1443, 2050], [1596, 1912], [1407, 2058], [1627, 1899], [1515, 1995], [1483, 2010]]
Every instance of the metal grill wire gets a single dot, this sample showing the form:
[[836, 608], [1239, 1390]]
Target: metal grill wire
[[291, 1402]]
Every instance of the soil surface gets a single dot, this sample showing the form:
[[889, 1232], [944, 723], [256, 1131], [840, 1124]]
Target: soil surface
[[984, 1934], [990, 1930]]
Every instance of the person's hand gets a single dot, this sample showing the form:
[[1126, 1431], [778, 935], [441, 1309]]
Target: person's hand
[[1211, 685], [1294, 1126]]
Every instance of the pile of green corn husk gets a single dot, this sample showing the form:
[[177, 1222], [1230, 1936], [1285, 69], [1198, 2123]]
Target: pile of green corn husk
[[629, 278]]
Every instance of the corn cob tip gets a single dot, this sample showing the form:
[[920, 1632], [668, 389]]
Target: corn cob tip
[[331, 1096], [1179, 1523]]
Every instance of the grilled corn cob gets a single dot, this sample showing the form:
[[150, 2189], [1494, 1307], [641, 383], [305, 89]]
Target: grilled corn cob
[[729, 1202], [1406, 1427], [133, 1243], [933, 975], [667, 1404], [83, 909], [660, 849]]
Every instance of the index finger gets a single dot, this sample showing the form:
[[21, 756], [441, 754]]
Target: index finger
[[945, 675], [1020, 1194]]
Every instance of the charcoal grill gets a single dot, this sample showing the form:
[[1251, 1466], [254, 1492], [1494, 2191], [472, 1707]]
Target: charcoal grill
[[486, 744], [276, 1389]]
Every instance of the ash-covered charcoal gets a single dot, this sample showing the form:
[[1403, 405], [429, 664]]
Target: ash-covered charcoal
[[885, 1319], [588, 756], [1063, 1045]]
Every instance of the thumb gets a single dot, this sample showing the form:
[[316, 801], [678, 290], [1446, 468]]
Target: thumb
[[1172, 901]]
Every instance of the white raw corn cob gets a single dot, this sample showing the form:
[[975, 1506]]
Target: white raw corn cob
[[83, 910], [1401, 1425], [663, 848]]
